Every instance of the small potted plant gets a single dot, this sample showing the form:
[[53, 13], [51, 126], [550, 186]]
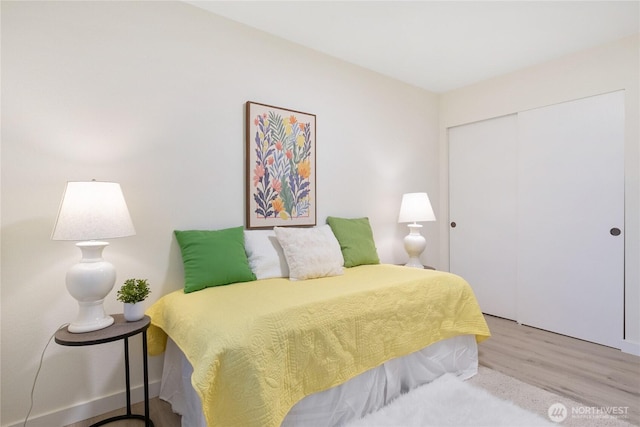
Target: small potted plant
[[132, 293]]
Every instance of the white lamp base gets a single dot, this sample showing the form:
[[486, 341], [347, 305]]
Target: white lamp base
[[90, 318], [414, 244], [89, 282]]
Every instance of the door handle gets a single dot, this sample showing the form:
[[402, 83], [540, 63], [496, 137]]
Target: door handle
[[615, 231]]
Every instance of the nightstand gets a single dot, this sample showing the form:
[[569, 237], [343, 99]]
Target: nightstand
[[120, 330]]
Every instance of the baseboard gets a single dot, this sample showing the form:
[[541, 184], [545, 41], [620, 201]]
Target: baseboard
[[86, 410], [630, 347]]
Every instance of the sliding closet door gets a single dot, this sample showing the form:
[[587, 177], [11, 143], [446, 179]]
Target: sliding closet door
[[482, 206], [571, 217]]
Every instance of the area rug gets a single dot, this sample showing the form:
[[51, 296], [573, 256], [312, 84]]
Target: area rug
[[489, 399], [449, 401]]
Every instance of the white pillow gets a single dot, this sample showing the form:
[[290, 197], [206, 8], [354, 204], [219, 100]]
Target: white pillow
[[310, 252], [265, 254]]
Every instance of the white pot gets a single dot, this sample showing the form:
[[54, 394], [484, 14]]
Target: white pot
[[133, 312]]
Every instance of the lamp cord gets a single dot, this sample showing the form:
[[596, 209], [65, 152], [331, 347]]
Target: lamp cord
[[33, 387]]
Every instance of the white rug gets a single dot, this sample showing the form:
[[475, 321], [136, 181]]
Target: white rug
[[449, 401]]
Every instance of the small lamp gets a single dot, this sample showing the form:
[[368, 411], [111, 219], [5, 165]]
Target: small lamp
[[415, 207], [90, 211]]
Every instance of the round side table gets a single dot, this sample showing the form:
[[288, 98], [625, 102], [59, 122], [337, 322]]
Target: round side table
[[120, 330]]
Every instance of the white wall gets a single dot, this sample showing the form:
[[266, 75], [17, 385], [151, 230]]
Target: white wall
[[600, 70], [151, 95]]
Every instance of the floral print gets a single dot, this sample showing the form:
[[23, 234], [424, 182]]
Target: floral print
[[283, 166]]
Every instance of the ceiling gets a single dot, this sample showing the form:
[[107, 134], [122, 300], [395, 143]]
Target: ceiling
[[439, 45]]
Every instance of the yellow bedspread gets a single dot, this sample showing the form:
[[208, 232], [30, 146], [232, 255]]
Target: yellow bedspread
[[259, 347]]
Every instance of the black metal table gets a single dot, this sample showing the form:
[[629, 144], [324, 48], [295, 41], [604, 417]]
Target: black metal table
[[120, 330]]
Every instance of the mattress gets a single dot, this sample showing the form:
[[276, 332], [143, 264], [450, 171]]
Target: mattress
[[338, 405]]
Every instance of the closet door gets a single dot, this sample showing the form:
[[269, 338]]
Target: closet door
[[482, 206], [571, 217]]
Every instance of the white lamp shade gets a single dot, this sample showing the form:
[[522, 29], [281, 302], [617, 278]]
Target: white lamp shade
[[416, 207], [93, 210]]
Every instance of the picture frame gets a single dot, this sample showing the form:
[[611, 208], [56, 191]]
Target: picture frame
[[280, 167]]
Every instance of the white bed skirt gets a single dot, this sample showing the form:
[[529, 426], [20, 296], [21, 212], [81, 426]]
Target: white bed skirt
[[357, 397]]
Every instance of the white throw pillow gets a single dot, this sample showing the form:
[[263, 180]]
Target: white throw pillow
[[310, 252], [266, 257]]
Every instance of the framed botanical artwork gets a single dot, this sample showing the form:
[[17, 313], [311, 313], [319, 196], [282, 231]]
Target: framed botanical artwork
[[281, 167]]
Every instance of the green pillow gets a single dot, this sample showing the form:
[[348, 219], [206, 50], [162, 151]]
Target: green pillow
[[356, 240], [213, 258]]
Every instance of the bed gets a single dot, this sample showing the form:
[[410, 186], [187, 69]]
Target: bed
[[313, 351]]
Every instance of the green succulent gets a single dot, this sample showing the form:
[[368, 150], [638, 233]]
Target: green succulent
[[133, 291]]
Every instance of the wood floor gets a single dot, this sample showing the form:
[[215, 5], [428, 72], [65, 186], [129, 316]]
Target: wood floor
[[588, 373]]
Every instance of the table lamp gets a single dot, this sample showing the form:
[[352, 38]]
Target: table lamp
[[90, 211], [415, 207]]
